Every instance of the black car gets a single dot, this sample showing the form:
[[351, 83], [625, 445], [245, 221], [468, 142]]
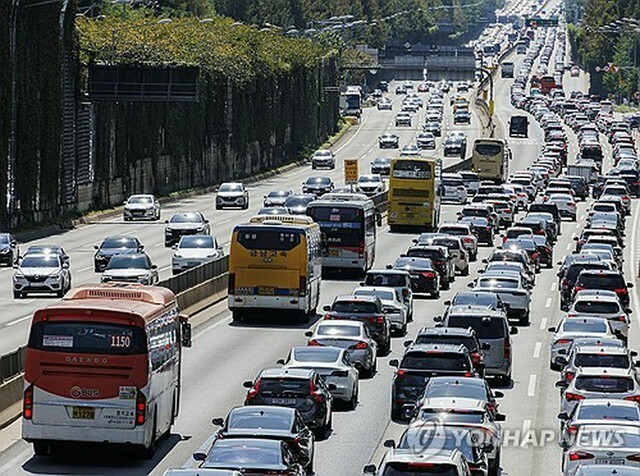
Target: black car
[[425, 278], [9, 251], [317, 185], [570, 274], [419, 363], [480, 227], [114, 245], [185, 223], [545, 250], [302, 389], [381, 166], [270, 422], [368, 310], [519, 126], [441, 260], [251, 456], [579, 186], [607, 280]]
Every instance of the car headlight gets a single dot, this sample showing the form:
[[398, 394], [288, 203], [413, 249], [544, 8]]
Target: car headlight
[[55, 276], [200, 228], [5, 251], [168, 230], [19, 276]]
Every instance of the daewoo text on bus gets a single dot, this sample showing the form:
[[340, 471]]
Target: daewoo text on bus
[[414, 199], [103, 366], [348, 225], [275, 263]]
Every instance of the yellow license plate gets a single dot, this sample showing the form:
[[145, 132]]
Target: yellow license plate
[[334, 253], [267, 291], [84, 413]]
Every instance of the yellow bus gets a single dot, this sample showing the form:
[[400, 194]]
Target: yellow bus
[[414, 197], [490, 159], [275, 263]]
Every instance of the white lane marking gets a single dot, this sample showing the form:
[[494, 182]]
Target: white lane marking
[[543, 323], [24, 455], [223, 221], [531, 390], [355, 134], [568, 246], [158, 245], [537, 350], [554, 285], [17, 321], [548, 303], [573, 235]]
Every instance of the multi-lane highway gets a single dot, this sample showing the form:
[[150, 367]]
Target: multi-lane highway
[[226, 354]]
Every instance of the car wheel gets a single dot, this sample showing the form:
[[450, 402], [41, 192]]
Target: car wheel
[[41, 448], [237, 316], [353, 403], [504, 380], [524, 320], [555, 367], [436, 294], [127, 219], [494, 465], [313, 167]]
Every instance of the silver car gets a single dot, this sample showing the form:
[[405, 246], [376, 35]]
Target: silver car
[[616, 445], [457, 249], [141, 207], [232, 195], [595, 356], [134, 268], [462, 230], [352, 336], [397, 279], [618, 384], [604, 304], [334, 364], [370, 184], [194, 250], [42, 273], [392, 305], [573, 328], [511, 289]]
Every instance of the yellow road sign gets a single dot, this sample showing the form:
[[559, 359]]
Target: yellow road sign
[[351, 170]]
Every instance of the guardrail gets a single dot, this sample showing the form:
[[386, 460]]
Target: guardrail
[[12, 364], [198, 275]]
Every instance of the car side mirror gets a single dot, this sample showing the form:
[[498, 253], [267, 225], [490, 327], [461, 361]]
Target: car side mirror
[[174, 247], [13, 244], [485, 346], [16, 266], [200, 456], [563, 416], [166, 222], [247, 384], [218, 421], [471, 284], [389, 266], [206, 221], [308, 334], [326, 308], [551, 329], [501, 417], [562, 351], [407, 343], [389, 444], [96, 247], [154, 267], [141, 247], [414, 241], [447, 302], [394, 363], [498, 394], [185, 331], [369, 469], [562, 361], [514, 330], [65, 265], [437, 318], [561, 384], [629, 285], [280, 361], [485, 261], [480, 271]]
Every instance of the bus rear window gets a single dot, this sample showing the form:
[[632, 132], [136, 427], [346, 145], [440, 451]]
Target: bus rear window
[[488, 149], [264, 239], [88, 338]]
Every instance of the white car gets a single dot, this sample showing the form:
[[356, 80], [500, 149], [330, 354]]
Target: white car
[[350, 335], [512, 290], [41, 273], [566, 205], [131, 268], [232, 195], [453, 188], [463, 231], [440, 461], [323, 158], [142, 207], [194, 250], [426, 140], [403, 119], [615, 445], [397, 279], [457, 249], [370, 184], [571, 328], [603, 304], [334, 364], [392, 305]]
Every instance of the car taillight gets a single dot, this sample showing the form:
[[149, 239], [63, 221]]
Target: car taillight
[[635, 458], [428, 274], [578, 288], [507, 210], [572, 429], [232, 283], [303, 286], [377, 319], [572, 397], [504, 240], [400, 373], [476, 358], [563, 341], [534, 255], [438, 262], [507, 350], [141, 408], [578, 455], [468, 239], [27, 403], [361, 249], [327, 316], [620, 291], [620, 318], [361, 345], [633, 398], [251, 394], [569, 376], [314, 342]]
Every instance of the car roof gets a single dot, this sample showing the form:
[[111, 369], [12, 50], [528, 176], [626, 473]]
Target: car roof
[[389, 271], [601, 371], [459, 348], [340, 322], [597, 349], [452, 331], [351, 297], [426, 455]]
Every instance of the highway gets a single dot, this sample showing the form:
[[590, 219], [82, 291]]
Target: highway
[[226, 354]]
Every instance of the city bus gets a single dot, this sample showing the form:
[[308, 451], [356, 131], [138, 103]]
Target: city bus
[[547, 83], [275, 264], [414, 199], [490, 159], [348, 225], [103, 366]]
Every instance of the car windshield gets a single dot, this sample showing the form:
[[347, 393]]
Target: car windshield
[[297, 201], [370, 178], [602, 360], [603, 384], [248, 418], [451, 389], [608, 412], [197, 241], [596, 307], [113, 243], [323, 153], [186, 218], [484, 327], [277, 194], [230, 187], [383, 295], [316, 354], [579, 325], [413, 263], [318, 181], [355, 307], [434, 361], [49, 261], [338, 331], [128, 262], [238, 453], [140, 200]]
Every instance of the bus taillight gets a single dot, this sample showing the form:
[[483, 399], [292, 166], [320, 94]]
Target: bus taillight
[[303, 286], [361, 249], [141, 408], [232, 283], [27, 403]]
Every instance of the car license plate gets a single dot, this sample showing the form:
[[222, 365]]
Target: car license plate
[[84, 413], [283, 401], [193, 263], [267, 291], [612, 461], [334, 253]]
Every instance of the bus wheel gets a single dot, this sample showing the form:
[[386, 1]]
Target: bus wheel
[[41, 447], [303, 316], [148, 452]]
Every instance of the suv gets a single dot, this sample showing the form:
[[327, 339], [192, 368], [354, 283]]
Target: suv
[[418, 364], [302, 389], [441, 260], [185, 223], [141, 207], [323, 158], [9, 251], [398, 279], [405, 462], [366, 309], [232, 195], [607, 280], [43, 273], [114, 245]]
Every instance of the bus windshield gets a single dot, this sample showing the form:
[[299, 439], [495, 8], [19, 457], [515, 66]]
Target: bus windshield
[[412, 169], [488, 149]]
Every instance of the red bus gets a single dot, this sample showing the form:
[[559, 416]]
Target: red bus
[[103, 365]]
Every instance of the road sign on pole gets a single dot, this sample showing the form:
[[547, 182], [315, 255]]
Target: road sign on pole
[[350, 171]]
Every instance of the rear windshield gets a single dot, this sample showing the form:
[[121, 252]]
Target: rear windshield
[[608, 412], [607, 282], [604, 384], [356, 307], [468, 342], [89, 338], [434, 361], [390, 280], [418, 253], [452, 390], [453, 417], [488, 149], [575, 269], [288, 386], [604, 360], [264, 239], [596, 307], [340, 331], [486, 328], [409, 469], [578, 325]]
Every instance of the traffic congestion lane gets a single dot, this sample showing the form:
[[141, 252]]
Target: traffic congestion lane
[[79, 243]]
